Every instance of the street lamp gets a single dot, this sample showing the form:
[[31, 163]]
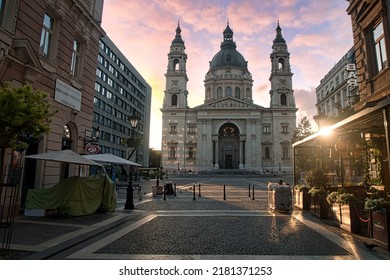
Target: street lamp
[[129, 205]]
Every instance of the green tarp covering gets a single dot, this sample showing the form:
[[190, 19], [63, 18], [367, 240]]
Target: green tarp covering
[[75, 196]]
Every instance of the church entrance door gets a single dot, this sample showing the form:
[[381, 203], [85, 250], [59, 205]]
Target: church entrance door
[[228, 161], [228, 146]]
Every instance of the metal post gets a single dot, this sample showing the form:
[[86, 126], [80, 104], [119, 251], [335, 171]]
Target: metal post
[[174, 194], [253, 192], [249, 189], [224, 192], [199, 191], [193, 192], [129, 205], [164, 192]]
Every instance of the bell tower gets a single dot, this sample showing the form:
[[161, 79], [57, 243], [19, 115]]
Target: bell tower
[[281, 76], [175, 94]]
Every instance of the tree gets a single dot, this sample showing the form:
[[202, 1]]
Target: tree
[[303, 130], [24, 117], [154, 158]]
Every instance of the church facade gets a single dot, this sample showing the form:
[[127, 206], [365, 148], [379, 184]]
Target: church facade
[[228, 131]]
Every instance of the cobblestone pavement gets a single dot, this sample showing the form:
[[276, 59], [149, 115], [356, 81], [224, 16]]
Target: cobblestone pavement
[[206, 219], [207, 224]]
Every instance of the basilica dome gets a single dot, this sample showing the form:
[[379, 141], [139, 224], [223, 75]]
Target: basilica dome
[[228, 55]]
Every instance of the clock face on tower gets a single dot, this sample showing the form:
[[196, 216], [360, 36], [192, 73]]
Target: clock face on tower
[[175, 83]]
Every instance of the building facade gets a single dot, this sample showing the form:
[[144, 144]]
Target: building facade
[[337, 92], [228, 131], [53, 46], [121, 92], [356, 151]]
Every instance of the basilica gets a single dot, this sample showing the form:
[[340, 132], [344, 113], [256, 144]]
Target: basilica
[[228, 131]]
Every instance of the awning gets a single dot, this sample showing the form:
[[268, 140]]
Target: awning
[[64, 156], [110, 158]]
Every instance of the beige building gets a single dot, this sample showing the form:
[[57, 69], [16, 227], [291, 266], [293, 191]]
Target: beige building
[[337, 91], [53, 46], [228, 131]]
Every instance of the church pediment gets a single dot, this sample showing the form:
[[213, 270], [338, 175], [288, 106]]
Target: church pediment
[[228, 103]]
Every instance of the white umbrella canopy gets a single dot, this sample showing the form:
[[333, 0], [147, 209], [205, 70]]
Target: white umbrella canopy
[[110, 158], [64, 156]]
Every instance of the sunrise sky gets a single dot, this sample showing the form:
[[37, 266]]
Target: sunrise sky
[[318, 34]]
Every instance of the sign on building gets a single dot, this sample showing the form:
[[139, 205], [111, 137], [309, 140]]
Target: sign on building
[[67, 95]]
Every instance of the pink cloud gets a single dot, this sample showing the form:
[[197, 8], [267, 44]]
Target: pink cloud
[[318, 34]]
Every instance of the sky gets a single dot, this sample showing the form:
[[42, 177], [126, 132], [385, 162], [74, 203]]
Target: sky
[[317, 33]]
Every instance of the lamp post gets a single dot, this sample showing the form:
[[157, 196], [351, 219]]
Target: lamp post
[[129, 205]]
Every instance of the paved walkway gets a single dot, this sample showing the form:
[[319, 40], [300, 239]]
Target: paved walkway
[[198, 224]]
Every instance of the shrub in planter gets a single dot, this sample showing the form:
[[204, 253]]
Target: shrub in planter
[[379, 208]]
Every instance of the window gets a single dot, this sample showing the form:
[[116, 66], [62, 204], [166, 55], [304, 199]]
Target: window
[[267, 153], [98, 87], [380, 47], [285, 152], [75, 64], [191, 129], [219, 92], [7, 14], [173, 129], [2, 8], [172, 152], [284, 128], [228, 91], [237, 92], [281, 63], [191, 152], [174, 100], [283, 99], [47, 35], [176, 65], [266, 129]]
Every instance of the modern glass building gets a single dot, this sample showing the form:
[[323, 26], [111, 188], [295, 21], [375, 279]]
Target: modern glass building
[[121, 92]]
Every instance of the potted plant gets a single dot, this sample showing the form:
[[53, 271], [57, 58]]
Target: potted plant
[[379, 208], [302, 196], [317, 180], [157, 189]]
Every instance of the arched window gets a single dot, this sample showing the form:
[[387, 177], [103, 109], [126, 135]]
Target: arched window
[[283, 99], [174, 100], [172, 152], [237, 92], [267, 152], [219, 92], [191, 152], [228, 91], [281, 63], [176, 64]]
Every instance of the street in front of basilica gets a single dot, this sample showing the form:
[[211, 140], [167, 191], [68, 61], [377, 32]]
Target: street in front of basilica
[[207, 218]]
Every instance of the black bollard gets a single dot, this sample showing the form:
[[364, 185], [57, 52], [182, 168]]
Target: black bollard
[[164, 191], [193, 191], [199, 191], [174, 193], [249, 189], [253, 192], [224, 192]]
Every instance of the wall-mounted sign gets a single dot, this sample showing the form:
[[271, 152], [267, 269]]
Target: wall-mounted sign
[[67, 95], [92, 149], [352, 79]]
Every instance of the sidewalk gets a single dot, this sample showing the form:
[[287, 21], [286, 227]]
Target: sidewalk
[[40, 237]]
